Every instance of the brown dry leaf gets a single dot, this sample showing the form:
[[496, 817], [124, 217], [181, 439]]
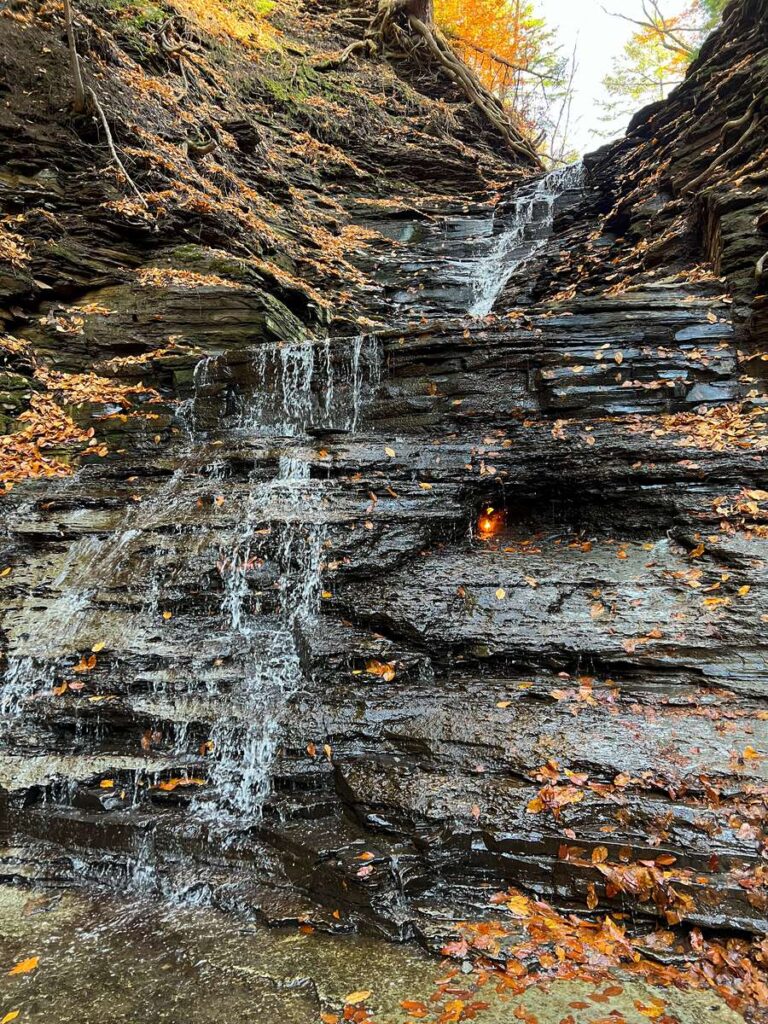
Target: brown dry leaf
[[592, 899], [414, 1008], [599, 855], [312, 750]]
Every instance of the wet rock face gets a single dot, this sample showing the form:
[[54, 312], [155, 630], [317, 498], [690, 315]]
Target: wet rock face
[[262, 646]]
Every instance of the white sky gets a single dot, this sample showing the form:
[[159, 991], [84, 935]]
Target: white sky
[[600, 38]]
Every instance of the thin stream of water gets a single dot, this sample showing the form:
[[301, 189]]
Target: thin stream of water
[[295, 391]]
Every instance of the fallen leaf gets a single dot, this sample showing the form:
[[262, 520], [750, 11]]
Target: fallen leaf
[[26, 966], [355, 998]]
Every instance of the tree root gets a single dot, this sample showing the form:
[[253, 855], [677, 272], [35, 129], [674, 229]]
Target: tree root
[[752, 119], [94, 99], [395, 33]]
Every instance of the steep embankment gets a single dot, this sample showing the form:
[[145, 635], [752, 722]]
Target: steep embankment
[[245, 158], [572, 701]]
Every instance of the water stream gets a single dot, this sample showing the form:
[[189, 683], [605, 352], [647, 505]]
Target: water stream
[[288, 394]]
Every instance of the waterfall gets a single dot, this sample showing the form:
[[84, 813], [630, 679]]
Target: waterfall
[[291, 391], [519, 235]]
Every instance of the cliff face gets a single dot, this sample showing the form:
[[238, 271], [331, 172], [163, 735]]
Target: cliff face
[[261, 638]]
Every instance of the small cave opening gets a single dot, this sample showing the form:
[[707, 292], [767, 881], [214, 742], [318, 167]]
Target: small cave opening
[[490, 520]]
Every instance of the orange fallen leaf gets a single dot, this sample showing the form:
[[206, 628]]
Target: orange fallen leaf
[[26, 966]]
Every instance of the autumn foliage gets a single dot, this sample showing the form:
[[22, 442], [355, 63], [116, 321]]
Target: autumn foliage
[[499, 40]]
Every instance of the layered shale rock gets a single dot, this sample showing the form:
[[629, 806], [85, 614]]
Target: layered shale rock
[[262, 642]]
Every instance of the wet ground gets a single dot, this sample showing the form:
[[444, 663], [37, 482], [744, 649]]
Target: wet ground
[[108, 960]]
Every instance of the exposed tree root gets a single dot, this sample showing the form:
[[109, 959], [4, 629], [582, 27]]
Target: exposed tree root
[[396, 33], [94, 99], [752, 122]]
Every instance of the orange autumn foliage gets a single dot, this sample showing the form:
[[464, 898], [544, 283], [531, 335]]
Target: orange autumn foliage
[[482, 30]]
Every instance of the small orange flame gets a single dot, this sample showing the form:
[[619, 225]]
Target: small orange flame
[[490, 522]]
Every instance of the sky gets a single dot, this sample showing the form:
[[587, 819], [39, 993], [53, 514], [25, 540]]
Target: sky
[[600, 39]]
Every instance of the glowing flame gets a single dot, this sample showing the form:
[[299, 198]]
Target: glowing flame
[[490, 522]]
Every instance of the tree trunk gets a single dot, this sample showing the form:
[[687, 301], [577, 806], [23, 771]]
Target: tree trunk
[[424, 10], [74, 59]]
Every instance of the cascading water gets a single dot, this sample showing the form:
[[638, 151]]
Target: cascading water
[[270, 563], [293, 389], [521, 234], [460, 264], [295, 392]]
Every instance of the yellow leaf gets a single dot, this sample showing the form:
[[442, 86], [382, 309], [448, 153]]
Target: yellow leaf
[[503, 703], [327, 595], [390, 452], [6, 571], [354, 998], [107, 784], [10, 1016], [167, 616], [425, 486], [619, 358], [743, 591], [501, 593], [26, 966], [98, 647]]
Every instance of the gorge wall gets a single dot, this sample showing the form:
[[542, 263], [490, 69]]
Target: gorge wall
[[257, 646]]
